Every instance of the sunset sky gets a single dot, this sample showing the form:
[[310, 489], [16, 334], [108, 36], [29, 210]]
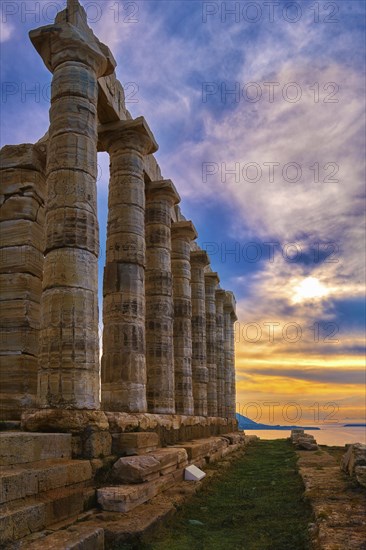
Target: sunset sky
[[260, 119]]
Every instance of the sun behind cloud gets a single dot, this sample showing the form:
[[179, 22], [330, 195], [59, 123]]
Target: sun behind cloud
[[309, 288]]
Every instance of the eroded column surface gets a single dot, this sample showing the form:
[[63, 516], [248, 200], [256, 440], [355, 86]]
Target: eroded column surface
[[161, 196], [69, 350], [183, 232], [211, 282], [230, 388], [199, 260], [22, 214], [124, 343], [220, 352]]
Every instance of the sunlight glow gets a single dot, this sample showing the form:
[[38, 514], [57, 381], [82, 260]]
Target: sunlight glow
[[309, 289]]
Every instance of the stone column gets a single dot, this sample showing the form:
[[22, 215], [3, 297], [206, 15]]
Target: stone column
[[161, 196], [199, 260], [23, 189], [123, 361], [183, 232], [220, 352], [211, 282], [230, 387], [69, 350]]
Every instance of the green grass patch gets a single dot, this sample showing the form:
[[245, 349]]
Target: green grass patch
[[255, 504]]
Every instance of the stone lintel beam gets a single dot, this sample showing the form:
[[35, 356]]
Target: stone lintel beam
[[113, 132], [163, 189]]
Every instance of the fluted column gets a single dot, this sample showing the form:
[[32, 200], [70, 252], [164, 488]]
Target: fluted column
[[199, 260], [161, 196], [220, 352], [123, 361], [69, 344], [183, 232], [230, 387], [21, 269], [211, 282]]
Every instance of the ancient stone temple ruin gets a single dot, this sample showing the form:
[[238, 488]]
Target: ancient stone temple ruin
[[167, 371]]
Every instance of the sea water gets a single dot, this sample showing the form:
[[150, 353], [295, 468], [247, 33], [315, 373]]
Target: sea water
[[327, 435]]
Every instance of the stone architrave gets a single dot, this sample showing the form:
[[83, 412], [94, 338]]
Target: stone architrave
[[124, 343], [69, 343], [199, 260], [161, 196], [23, 189], [230, 389], [183, 233], [211, 282], [220, 352]]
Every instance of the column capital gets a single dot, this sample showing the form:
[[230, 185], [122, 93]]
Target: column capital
[[220, 295], [212, 278], [62, 42], [164, 189], [134, 134], [230, 305], [184, 230], [199, 258]]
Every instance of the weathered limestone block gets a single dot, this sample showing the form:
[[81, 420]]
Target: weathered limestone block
[[354, 458], [183, 232], [96, 444], [123, 361], [229, 320], [64, 420], [161, 196], [69, 357], [170, 459], [29, 479], [77, 537], [124, 498], [211, 282], [19, 448], [21, 267], [360, 473], [304, 441], [134, 443], [199, 260], [220, 353], [136, 469]]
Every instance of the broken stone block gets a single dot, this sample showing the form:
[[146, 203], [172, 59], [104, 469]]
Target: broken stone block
[[360, 473], [136, 469], [353, 458], [306, 443]]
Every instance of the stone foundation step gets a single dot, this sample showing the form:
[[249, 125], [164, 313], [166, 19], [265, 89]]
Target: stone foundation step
[[21, 481], [123, 498], [20, 518], [22, 447], [76, 537]]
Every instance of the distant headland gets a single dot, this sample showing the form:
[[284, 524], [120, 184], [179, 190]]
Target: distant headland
[[244, 423]]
